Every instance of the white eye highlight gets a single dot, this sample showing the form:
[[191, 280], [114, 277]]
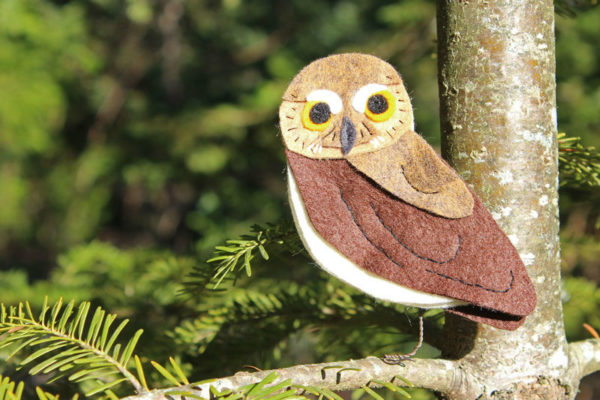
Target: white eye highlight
[[332, 99], [359, 101]]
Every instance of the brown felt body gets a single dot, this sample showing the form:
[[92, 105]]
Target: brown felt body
[[467, 258]]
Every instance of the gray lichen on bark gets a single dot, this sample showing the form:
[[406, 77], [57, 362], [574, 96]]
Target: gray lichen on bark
[[498, 110]]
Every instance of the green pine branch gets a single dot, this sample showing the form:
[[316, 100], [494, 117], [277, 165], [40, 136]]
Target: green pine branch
[[579, 165], [227, 335], [66, 343], [238, 255], [10, 390], [69, 342]]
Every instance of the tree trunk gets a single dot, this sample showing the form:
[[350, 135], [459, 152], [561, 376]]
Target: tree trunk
[[498, 116]]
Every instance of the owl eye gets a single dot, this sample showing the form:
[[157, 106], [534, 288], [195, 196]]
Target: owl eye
[[320, 106], [377, 104], [375, 101], [380, 106], [316, 115], [319, 113]]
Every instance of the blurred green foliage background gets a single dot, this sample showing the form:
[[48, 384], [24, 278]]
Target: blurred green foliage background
[[135, 135]]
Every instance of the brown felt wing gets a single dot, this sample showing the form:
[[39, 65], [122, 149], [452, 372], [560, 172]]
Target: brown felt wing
[[411, 170], [468, 259]]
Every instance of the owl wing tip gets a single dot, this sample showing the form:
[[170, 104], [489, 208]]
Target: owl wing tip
[[496, 319]]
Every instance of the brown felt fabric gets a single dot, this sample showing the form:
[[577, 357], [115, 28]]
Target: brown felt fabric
[[496, 319], [351, 71], [469, 258], [411, 170]]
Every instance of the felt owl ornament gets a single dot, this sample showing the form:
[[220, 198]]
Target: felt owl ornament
[[376, 206]]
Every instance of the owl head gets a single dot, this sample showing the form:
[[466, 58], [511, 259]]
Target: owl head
[[343, 105]]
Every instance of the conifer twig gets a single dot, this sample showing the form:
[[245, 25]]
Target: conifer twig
[[237, 255], [579, 165], [585, 357], [437, 375]]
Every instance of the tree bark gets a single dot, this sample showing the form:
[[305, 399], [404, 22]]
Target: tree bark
[[498, 117]]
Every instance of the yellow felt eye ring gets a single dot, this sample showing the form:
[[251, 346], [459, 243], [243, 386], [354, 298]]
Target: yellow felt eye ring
[[380, 106], [316, 115]]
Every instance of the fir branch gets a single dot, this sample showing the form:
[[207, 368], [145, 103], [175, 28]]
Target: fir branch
[[67, 342], [221, 334], [237, 255], [579, 165], [10, 390], [323, 379]]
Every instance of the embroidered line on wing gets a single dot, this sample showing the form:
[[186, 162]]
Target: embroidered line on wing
[[411, 250], [363, 232], [477, 285], [411, 185]]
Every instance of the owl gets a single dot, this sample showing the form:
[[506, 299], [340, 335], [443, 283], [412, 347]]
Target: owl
[[376, 206]]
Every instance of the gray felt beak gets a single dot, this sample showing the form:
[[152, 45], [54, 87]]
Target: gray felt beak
[[347, 135]]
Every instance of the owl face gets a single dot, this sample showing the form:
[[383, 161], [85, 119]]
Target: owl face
[[344, 105]]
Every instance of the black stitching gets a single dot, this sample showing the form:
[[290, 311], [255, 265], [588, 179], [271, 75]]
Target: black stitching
[[363, 232], [477, 285], [408, 181], [331, 130], [411, 250], [368, 129]]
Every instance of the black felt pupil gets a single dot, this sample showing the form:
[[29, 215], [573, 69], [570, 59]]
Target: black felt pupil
[[320, 113], [377, 104]]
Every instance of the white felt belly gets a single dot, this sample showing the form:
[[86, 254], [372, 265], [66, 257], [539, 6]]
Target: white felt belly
[[341, 267]]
